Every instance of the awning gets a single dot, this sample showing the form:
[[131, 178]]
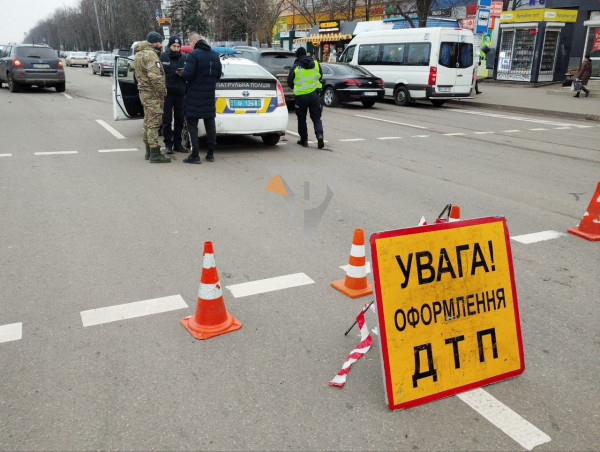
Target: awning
[[326, 37]]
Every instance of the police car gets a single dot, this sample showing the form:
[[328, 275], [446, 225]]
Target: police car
[[248, 100]]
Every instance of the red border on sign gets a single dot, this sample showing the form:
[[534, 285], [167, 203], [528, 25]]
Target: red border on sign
[[383, 332]]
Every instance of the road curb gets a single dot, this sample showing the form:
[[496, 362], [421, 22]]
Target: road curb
[[533, 111]]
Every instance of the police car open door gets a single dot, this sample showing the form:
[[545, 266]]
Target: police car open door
[[126, 98]]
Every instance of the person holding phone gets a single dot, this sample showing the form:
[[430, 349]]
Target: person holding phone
[[172, 122]]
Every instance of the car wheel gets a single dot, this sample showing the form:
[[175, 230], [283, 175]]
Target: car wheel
[[437, 102], [87, 65], [12, 86], [368, 103], [330, 98], [401, 96], [60, 88], [101, 72], [271, 139]]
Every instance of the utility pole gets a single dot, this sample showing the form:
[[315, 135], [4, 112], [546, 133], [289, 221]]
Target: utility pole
[[98, 22]]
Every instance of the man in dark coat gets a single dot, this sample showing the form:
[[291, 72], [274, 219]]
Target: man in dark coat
[[584, 74], [202, 71], [305, 79], [173, 61]]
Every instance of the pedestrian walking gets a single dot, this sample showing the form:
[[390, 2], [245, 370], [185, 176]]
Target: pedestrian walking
[[332, 57], [202, 71], [584, 74], [150, 77], [173, 61], [305, 79]]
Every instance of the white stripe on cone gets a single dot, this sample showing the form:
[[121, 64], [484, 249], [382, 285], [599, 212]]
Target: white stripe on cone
[[357, 250], [210, 291], [356, 272], [209, 261]]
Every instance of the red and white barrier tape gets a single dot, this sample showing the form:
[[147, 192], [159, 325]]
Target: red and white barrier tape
[[363, 347]]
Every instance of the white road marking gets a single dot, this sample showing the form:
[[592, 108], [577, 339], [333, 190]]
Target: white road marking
[[5, 155], [454, 134], [482, 133], [518, 428], [537, 237], [132, 310], [11, 332], [391, 122], [345, 267], [537, 129], [119, 150], [563, 128], [353, 139], [67, 96], [292, 133], [110, 129], [313, 142], [389, 138], [269, 285], [56, 153], [375, 331], [510, 131], [583, 127], [420, 136], [516, 118]]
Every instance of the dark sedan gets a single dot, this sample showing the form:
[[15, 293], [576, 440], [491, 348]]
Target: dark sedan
[[344, 83]]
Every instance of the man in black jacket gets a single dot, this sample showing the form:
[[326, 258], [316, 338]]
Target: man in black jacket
[[173, 62]]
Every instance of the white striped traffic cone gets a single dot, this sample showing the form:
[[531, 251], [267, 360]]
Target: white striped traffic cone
[[355, 284]]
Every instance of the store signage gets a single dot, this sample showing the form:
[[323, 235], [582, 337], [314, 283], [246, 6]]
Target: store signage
[[483, 21], [164, 21], [329, 26], [496, 9], [596, 45], [484, 3], [539, 15], [468, 23], [560, 15], [447, 309]]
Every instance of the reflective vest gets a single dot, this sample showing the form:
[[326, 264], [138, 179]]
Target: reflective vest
[[306, 80]]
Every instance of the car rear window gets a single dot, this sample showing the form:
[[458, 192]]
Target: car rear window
[[277, 60], [245, 70], [36, 52], [455, 54], [78, 54], [346, 70]]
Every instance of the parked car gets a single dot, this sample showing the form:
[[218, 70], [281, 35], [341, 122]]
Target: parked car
[[104, 64], [249, 101], [92, 56], [277, 61], [77, 59], [29, 64], [344, 83]]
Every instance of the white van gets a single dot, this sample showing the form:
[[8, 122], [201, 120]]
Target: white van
[[417, 63]]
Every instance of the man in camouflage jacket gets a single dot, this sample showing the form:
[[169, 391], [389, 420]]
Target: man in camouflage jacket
[[150, 77]]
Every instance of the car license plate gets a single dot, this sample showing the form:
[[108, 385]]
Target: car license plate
[[370, 94], [244, 103], [41, 66], [445, 89]]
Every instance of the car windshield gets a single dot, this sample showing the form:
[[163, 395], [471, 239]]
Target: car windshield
[[36, 52], [346, 70], [245, 70], [277, 60]]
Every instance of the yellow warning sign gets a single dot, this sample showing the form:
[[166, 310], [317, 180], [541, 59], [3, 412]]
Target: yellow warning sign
[[447, 308]]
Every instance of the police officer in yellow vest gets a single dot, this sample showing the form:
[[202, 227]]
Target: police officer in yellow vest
[[305, 79]]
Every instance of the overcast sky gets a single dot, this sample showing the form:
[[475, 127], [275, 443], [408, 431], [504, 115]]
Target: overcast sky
[[19, 16]]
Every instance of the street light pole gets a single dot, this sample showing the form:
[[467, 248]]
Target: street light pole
[[98, 22]]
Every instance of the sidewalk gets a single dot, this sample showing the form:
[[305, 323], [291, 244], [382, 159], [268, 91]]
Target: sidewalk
[[544, 100]]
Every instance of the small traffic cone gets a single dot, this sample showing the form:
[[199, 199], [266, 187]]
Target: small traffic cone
[[211, 318], [454, 214], [355, 284], [589, 228]]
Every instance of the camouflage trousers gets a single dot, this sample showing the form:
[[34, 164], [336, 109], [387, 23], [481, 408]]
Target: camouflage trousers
[[153, 111]]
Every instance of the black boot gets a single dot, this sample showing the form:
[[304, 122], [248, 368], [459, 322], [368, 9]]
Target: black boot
[[179, 148], [192, 158], [157, 157], [320, 142], [168, 148], [303, 143], [147, 156], [209, 156]]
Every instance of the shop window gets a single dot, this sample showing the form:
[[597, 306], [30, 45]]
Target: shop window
[[549, 52], [393, 54], [368, 54], [418, 54], [593, 48]]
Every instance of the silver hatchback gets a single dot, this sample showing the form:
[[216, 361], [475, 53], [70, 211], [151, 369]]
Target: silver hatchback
[[104, 64]]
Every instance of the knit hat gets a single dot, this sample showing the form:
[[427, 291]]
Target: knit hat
[[154, 37], [300, 51], [174, 40]]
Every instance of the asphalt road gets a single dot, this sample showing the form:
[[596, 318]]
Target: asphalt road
[[90, 229]]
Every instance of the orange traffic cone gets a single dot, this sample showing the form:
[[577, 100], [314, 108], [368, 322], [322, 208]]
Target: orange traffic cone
[[454, 214], [589, 228], [355, 284], [211, 318]]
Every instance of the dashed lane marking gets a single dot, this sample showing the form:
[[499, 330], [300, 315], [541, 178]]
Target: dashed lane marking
[[269, 285], [420, 136], [537, 237], [518, 428], [353, 139], [535, 130], [56, 153], [11, 332], [116, 134], [5, 155], [292, 133], [454, 134], [132, 310], [67, 96], [345, 267], [483, 133], [510, 131], [516, 118], [119, 150], [391, 122], [389, 138], [563, 128]]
